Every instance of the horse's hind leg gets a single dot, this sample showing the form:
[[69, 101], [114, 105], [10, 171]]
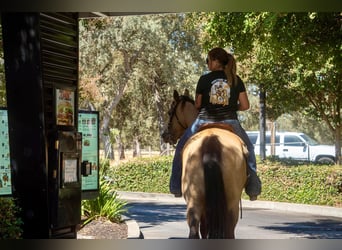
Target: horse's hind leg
[[193, 223], [203, 228], [231, 221]]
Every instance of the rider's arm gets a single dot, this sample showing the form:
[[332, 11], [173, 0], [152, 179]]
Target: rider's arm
[[198, 101], [243, 101]]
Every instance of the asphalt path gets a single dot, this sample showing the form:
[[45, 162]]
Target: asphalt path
[[161, 216]]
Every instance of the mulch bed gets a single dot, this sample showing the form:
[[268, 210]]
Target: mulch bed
[[103, 228]]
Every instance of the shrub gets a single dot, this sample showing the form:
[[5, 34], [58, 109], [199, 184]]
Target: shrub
[[10, 222], [306, 184], [300, 183], [143, 174], [107, 204]]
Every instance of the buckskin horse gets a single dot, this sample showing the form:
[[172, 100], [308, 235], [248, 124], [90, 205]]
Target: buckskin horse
[[213, 172]]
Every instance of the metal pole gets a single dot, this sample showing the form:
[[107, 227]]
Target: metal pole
[[262, 122]]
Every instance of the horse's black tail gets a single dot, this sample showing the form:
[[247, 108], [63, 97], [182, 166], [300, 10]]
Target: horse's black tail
[[216, 205]]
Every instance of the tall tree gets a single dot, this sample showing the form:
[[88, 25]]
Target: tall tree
[[296, 56], [136, 60]]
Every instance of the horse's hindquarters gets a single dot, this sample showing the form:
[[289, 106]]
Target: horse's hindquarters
[[214, 175]]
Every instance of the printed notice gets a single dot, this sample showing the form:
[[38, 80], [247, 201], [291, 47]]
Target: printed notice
[[70, 170], [88, 126], [5, 166]]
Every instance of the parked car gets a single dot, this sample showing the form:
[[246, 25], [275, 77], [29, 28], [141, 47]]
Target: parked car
[[294, 145]]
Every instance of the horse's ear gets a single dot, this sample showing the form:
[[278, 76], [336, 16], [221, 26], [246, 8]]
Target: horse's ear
[[175, 95], [186, 92]]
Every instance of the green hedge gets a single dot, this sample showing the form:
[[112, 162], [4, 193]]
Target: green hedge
[[306, 184], [143, 175]]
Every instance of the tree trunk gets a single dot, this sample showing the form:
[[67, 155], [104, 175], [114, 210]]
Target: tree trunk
[[104, 129], [121, 148], [108, 148], [128, 64], [160, 111], [122, 152], [136, 147]]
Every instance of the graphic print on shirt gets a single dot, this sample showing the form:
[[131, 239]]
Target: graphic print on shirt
[[220, 92]]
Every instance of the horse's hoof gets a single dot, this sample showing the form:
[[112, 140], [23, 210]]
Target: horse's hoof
[[178, 195]]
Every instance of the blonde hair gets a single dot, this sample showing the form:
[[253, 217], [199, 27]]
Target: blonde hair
[[230, 70]]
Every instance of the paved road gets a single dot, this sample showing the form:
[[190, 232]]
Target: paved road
[[163, 217]]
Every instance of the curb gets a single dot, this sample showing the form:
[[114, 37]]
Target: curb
[[133, 229], [294, 207]]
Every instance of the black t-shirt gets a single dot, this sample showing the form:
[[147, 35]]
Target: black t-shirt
[[219, 98]]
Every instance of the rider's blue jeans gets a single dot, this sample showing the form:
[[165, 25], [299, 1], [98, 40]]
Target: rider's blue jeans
[[176, 173]]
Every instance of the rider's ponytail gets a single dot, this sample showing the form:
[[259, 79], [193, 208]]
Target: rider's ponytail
[[227, 61], [230, 70]]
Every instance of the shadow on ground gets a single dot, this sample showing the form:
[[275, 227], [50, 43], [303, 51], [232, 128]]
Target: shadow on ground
[[318, 229], [156, 213]]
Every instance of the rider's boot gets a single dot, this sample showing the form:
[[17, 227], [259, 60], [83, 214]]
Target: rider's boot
[[253, 185], [176, 184], [176, 191]]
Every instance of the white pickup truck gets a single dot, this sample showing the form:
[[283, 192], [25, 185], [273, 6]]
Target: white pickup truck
[[294, 145]]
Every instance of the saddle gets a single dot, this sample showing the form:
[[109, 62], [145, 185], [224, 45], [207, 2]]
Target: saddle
[[216, 125], [226, 127]]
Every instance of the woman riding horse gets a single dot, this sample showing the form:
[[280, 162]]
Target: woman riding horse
[[219, 95], [214, 172]]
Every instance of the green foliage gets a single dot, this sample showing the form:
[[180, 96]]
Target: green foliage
[[143, 174], [295, 57], [10, 223], [295, 183], [140, 59], [107, 204], [314, 184]]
